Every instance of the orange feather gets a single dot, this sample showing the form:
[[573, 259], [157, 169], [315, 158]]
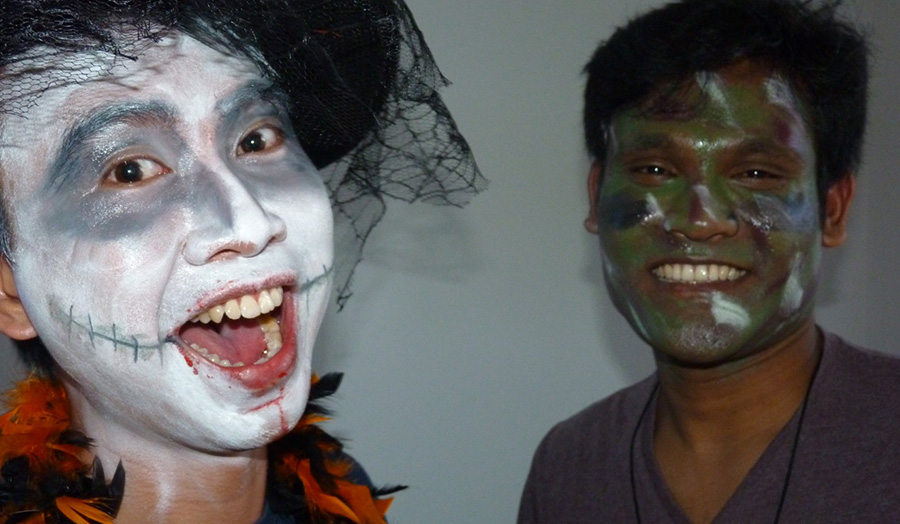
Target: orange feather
[[82, 511], [39, 412], [360, 499], [320, 501]]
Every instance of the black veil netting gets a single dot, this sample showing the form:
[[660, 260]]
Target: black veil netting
[[361, 83]]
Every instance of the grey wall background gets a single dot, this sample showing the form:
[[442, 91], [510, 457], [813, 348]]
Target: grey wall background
[[470, 333]]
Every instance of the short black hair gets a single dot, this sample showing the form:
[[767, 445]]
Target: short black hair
[[824, 59]]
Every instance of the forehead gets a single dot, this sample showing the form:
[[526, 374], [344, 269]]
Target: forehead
[[744, 98], [177, 72]]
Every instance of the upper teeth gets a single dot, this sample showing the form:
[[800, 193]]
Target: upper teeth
[[694, 273], [247, 306]]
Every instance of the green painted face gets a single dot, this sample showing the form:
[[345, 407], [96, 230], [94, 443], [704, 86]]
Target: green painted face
[[708, 216]]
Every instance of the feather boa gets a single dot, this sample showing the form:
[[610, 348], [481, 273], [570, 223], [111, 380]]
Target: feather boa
[[44, 480]]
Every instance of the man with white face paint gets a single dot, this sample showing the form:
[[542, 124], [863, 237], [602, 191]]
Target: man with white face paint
[[725, 136], [168, 245]]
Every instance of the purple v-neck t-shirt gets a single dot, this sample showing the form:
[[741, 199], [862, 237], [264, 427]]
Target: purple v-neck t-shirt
[[846, 468]]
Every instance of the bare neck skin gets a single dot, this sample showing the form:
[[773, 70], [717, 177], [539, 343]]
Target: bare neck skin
[[713, 424], [168, 483]]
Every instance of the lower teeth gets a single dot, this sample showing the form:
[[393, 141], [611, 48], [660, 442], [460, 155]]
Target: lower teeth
[[272, 335]]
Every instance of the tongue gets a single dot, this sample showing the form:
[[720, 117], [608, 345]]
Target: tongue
[[239, 340]]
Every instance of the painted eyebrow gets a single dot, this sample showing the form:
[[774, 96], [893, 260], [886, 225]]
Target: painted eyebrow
[[250, 93], [73, 145], [761, 146], [651, 142]]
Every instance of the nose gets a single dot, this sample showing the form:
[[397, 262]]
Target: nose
[[231, 221], [702, 216]]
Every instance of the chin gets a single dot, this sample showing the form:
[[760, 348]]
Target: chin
[[235, 432], [698, 345]]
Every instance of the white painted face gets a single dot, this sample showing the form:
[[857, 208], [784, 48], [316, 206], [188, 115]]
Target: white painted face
[[151, 196]]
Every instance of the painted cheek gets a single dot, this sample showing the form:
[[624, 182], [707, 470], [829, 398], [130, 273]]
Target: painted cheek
[[768, 214], [621, 211]]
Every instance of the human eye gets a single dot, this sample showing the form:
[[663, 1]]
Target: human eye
[[762, 179], [264, 138], [649, 174], [132, 171], [650, 170]]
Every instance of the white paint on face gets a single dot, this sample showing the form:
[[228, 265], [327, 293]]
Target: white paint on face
[[715, 88], [728, 312], [793, 290], [706, 202], [779, 92], [655, 213], [110, 272]]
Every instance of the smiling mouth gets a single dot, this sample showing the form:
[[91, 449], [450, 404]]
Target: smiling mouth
[[697, 273], [239, 332]]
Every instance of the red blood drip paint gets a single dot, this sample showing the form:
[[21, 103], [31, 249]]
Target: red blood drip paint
[[284, 426], [196, 371], [187, 358]]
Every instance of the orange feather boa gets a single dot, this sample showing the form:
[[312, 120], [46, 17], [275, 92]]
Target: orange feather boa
[[44, 479]]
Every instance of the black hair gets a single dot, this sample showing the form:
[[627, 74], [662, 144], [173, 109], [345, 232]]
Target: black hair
[[824, 59], [335, 65]]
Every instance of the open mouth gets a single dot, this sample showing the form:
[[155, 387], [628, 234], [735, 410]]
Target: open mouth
[[242, 331], [697, 273]]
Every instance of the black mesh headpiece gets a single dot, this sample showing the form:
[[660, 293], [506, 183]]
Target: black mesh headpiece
[[361, 83]]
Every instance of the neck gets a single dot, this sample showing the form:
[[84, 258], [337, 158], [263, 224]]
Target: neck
[[713, 424], [759, 394], [171, 483]]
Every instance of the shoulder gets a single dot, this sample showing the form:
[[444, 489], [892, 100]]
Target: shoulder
[[848, 449], [581, 467], [855, 391], [858, 371], [592, 432]]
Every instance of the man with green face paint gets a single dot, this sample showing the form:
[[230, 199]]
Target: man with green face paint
[[725, 136]]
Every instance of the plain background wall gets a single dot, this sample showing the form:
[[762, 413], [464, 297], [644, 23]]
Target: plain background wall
[[471, 332]]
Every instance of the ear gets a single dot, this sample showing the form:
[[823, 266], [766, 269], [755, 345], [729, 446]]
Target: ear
[[595, 177], [837, 206], [14, 322]]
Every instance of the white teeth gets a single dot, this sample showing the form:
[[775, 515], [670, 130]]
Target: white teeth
[[247, 306], [277, 295], [265, 302], [216, 313], [699, 273], [232, 309]]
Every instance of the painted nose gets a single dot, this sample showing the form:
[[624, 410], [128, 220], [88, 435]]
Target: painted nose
[[703, 216], [230, 222]]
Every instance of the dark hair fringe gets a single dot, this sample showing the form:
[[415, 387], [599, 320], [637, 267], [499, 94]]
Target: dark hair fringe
[[823, 57]]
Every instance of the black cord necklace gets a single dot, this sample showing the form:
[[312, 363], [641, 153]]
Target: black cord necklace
[[790, 467]]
